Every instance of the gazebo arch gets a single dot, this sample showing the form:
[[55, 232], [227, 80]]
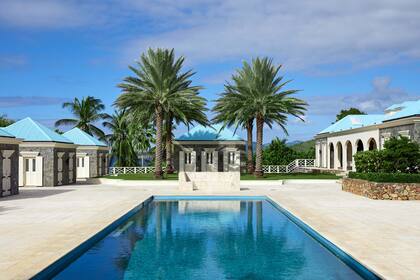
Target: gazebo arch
[[372, 144], [331, 156], [349, 155], [339, 149], [359, 146]]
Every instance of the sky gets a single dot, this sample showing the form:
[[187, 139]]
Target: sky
[[339, 54]]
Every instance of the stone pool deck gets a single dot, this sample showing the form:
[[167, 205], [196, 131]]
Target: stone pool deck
[[42, 224]]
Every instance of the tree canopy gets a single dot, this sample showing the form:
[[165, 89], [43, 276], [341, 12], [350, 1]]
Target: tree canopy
[[350, 111]]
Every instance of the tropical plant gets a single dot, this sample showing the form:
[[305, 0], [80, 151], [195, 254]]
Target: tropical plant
[[5, 121], [87, 112], [400, 155], [159, 90], [120, 139], [256, 91], [349, 111]]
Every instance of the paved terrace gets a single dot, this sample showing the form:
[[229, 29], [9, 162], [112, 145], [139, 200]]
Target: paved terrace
[[42, 224]]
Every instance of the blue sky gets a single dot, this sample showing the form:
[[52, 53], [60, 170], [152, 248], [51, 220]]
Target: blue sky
[[364, 53]]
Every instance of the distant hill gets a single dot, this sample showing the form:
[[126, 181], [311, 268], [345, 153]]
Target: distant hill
[[293, 143], [303, 146]]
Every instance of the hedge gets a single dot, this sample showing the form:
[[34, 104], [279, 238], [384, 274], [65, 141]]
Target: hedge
[[387, 177]]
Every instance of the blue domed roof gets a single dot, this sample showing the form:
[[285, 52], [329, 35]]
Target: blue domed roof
[[209, 133]]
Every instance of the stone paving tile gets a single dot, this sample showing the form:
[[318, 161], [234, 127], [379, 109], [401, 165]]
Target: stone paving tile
[[38, 226]]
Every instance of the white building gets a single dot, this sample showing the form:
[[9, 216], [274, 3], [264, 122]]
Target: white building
[[336, 145]]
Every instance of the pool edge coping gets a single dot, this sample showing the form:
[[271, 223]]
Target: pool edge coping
[[61, 263]]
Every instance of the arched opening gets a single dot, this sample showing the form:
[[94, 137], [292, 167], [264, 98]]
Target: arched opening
[[349, 155], [340, 155], [320, 157], [372, 144], [359, 146], [331, 156]]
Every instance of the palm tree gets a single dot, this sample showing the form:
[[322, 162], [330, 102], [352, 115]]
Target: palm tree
[[159, 88], [120, 138], [230, 112], [257, 92], [86, 112]]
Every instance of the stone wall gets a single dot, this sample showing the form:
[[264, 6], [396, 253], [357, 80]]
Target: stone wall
[[47, 154], [14, 169], [382, 191], [198, 148], [65, 168], [414, 132]]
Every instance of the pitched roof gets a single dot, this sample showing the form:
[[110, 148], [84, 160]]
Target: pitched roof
[[32, 131], [209, 133], [396, 111], [4, 133], [80, 137], [354, 121]]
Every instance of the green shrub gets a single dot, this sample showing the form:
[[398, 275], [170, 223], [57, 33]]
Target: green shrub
[[369, 161], [386, 177], [399, 155]]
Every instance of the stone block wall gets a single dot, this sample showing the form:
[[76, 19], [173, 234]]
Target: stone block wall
[[47, 154], [199, 148], [65, 168], [14, 169], [382, 191], [414, 132]]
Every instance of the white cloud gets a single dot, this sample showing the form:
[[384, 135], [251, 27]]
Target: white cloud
[[381, 96], [48, 13], [300, 34]]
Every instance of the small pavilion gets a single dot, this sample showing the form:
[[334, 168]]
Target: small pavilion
[[92, 155], [209, 149], [9, 164]]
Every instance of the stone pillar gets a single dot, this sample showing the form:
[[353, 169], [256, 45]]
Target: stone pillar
[[60, 168], [71, 167], [6, 184], [344, 153]]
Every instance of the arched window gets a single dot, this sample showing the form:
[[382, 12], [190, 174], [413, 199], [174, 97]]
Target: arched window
[[372, 144], [331, 156], [349, 154], [340, 155], [359, 146]]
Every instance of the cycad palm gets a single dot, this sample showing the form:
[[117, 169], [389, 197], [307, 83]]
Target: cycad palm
[[158, 88], [257, 92], [86, 111]]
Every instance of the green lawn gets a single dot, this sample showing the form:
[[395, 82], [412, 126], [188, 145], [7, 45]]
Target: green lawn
[[147, 176], [150, 176], [291, 176]]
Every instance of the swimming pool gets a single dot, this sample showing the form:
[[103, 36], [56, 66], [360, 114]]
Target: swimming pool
[[207, 238]]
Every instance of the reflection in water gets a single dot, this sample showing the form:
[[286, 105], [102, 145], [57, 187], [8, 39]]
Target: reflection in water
[[200, 206], [208, 240]]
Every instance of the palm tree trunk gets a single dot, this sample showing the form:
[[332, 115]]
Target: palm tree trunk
[[258, 161], [250, 160], [169, 164], [158, 151]]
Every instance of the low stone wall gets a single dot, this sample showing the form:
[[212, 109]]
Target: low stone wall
[[383, 191]]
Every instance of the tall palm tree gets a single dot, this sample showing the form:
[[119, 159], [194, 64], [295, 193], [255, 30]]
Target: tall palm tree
[[158, 87], [186, 113], [229, 112], [257, 91], [86, 112], [120, 138]]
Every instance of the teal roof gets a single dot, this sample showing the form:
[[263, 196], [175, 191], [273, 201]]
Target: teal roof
[[209, 133], [403, 110], [4, 133], [79, 137], [32, 131], [396, 111]]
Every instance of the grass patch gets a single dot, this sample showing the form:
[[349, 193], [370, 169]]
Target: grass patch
[[142, 176], [291, 176], [387, 177], [150, 176]]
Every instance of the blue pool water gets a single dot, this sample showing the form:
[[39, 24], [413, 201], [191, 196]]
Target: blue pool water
[[208, 239]]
